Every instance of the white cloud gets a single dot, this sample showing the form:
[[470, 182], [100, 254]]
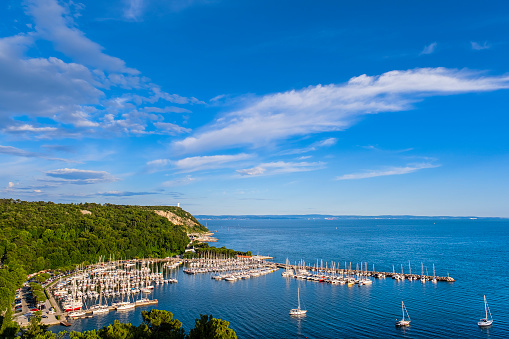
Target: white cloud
[[41, 87], [429, 48], [477, 46], [80, 118], [53, 23], [74, 95], [304, 157], [327, 142], [199, 163], [389, 171], [76, 176], [281, 167], [318, 109], [11, 185], [29, 128]]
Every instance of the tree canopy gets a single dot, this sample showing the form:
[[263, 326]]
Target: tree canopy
[[159, 324], [35, 236]]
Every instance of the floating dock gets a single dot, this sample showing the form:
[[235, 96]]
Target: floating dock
[[374, 274]]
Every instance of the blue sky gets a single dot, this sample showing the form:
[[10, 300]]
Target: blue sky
[[257, 107]]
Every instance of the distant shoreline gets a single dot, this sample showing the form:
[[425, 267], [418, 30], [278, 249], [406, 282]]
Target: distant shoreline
[[339, 217]]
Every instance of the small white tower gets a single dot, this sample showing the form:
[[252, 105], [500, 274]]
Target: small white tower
[[178, 204]]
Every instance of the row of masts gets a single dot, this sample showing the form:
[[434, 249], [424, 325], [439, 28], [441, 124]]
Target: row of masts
[[113, 285], [338, 275], [228, 268]]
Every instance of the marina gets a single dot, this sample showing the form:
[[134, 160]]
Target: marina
[[266, 300], [109, 286]]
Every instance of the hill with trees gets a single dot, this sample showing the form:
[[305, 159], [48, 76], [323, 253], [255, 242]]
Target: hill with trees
[[36, 236]]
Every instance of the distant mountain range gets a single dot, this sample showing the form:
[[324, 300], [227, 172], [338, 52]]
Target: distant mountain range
[[328, 217]]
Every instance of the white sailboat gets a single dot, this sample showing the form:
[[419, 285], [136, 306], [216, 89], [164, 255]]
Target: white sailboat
[[99, 308], [298, 311], [486, 322], [403, 322]]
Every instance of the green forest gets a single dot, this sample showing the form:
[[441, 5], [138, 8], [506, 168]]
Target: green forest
[[157, 324], [43, 235]]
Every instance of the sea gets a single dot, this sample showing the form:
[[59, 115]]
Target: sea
[[475, 252]]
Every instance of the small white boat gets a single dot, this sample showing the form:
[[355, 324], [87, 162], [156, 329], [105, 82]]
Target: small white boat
[[230, 278], [403, 322], [125, 307], [298, 311], [486, 322], [77, 314], [101, 309]]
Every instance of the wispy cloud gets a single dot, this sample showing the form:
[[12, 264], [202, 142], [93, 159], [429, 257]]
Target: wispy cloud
[[133, 10], [60, 148], [313, 147], [188, 179], [123, 193], [317, 109], [76, 96], [376, 148], [76, 176], [53, 23], [170, 128], [22, 153], [388, 171], [157, 165], [29, 128], [281, 167], [167, 109], [479, 46], [429, 48], [199, 163]]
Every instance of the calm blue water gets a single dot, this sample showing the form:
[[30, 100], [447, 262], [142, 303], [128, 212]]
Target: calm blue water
[[474, 252]]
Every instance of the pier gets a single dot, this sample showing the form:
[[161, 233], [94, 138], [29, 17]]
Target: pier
[[350, 272]]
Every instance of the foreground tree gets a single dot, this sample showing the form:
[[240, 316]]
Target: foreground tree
[[211, 328], [157, 324], [36, 330], [8, 328], [160, 324]]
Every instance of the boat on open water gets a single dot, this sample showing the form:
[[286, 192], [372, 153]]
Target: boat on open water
[[486, 321]]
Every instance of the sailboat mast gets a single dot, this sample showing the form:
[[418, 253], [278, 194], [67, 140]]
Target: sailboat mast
[[485, 308]]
